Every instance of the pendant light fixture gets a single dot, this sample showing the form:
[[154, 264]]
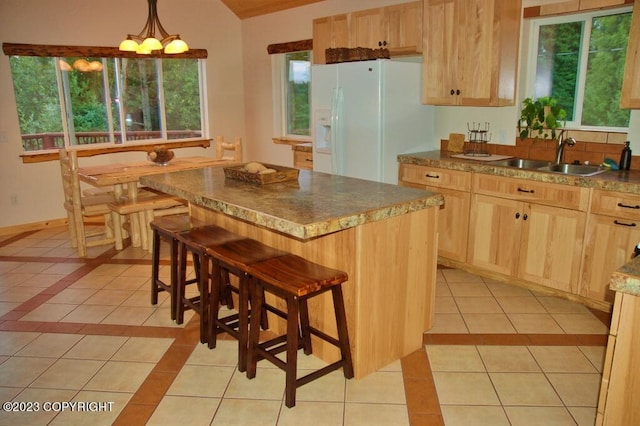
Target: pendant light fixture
[[146, 42]]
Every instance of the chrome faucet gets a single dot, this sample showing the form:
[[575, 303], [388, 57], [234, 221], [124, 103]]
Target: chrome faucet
[[562, 142]]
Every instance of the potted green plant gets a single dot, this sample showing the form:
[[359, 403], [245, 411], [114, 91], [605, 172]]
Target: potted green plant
[[541, 117]]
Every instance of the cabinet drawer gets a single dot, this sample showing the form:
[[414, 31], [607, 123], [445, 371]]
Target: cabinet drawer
[[434, 176], [303, 160], [569, 197], [616, 204]]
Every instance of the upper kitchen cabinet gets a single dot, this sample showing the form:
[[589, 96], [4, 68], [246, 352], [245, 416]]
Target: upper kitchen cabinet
[[631, 83], [397, 28], [470, 52], [329, 32]]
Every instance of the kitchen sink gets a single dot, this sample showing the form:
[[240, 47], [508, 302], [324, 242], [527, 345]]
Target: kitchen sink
[[521, 163], [574, 169]]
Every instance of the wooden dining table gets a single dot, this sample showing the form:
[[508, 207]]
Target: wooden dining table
[[120, 174], [126, 175]]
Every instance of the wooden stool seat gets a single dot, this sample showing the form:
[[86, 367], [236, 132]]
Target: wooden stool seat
[[235, 257], [168, 228], [197, 241], [296, 280]]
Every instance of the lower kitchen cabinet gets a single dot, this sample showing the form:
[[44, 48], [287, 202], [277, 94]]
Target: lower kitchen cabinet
[[517, 230], [613, 231], [453, 218], [620, 386]]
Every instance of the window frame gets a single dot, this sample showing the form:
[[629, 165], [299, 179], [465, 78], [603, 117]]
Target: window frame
[[62, 52], [279, 66], [532, 45]]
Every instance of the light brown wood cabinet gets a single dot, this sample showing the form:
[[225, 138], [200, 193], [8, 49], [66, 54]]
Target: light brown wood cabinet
[[630, 97], [470, 52], [618, 404], [516, 230], [453, 218], [397, 28], [329, 32], [613, 230], [303, 160]]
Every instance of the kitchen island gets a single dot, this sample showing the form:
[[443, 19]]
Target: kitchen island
[[383, 236]]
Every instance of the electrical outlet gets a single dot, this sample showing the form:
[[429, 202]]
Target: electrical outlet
[[14, 199]]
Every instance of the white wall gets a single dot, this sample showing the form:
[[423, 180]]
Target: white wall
[[204, 24]]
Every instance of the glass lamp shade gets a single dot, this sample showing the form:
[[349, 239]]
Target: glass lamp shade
[[176, 46], [129, 45], [150, 44]]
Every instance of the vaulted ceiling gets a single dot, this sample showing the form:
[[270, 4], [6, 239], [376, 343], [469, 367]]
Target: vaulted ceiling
[[249, 8]]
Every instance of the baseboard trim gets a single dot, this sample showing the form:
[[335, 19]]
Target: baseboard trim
[[34, 226]]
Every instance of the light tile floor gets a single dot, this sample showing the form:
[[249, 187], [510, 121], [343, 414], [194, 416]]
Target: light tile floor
[[83, 330]]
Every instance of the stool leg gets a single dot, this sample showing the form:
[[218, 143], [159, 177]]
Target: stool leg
[[204, 287], [214, 303], [155, 267], [173, 252], [343, 333], [181, 283], [257, 294], [292, 351], [304, 327], [243, 321]]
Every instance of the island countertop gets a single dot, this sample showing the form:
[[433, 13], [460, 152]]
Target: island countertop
[[316, 204]]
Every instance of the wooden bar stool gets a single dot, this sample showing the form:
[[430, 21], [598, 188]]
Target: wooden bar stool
[[197, 241], [296, 280], [235, 257], [167, 228]]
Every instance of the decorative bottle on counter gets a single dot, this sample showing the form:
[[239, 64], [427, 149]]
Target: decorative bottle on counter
[[625, 157]]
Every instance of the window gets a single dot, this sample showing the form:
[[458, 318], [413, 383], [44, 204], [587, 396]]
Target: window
[[297, 93], [579, 60], [85, 101]]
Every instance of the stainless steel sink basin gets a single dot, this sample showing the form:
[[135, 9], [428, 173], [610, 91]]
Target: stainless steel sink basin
[[574, 169], [521, 163]]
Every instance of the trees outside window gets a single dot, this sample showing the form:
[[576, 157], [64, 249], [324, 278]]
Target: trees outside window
[[580, 62], [88, 101], [298, 93]]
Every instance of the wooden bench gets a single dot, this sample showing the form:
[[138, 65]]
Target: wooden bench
[[140, 213]]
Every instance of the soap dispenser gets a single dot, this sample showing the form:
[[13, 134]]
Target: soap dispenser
[[625, 157]]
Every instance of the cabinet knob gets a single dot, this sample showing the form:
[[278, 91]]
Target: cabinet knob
[[453, 92], [458, 92], [517, 215], [525, 217]]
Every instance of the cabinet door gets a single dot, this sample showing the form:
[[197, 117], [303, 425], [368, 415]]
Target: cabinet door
[[495, 227], [470, 51], [366, 28], [551, 247], [609, 244], [453, 224], [630, 97], [440, 52], [329, 32], [404, 28]]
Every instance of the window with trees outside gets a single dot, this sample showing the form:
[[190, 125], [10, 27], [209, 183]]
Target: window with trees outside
[[89, 101], [297, 93], [579, 60]]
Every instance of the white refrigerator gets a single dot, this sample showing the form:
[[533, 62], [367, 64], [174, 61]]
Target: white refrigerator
[[365, 114]]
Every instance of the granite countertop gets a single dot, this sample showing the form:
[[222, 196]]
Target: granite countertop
[[627, 181], [626, 279], [316, 204]]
